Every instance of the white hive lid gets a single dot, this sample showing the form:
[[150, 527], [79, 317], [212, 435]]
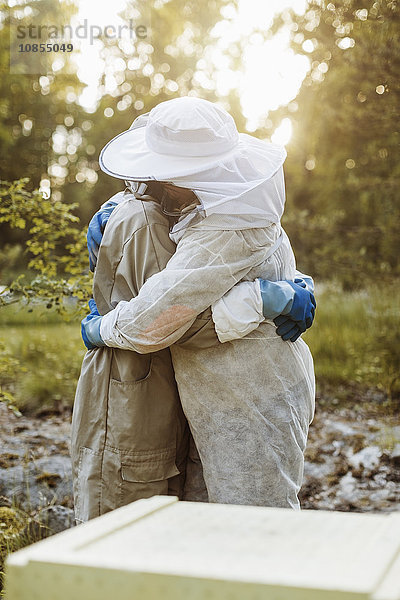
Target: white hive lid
[[161, 548]]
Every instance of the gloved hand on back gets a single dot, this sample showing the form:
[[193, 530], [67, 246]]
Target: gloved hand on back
[[288, 327], [96, 230], [90, 327], [290, 304]]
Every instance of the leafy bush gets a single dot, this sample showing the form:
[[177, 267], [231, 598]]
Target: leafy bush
[[58, 271], [56, 244]]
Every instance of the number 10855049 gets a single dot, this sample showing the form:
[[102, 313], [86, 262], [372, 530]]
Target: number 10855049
[[45, 47]]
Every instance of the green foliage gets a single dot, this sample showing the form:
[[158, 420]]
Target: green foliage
[[41, 357], [354, 339], [32, 106], [18, 528], [343, 170], [56, 245], [38, 372], [50, 358], [10, 368], [11, 526]]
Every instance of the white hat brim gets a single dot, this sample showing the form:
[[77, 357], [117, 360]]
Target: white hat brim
[[127, 156]]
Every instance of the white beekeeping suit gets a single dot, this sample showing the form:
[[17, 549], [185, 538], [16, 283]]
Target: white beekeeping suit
[[249, 401]]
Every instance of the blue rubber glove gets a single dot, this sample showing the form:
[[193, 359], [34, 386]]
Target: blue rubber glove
[[303, 306], [304, 281], [289, 304], [287, 298], [96, 230], [286, 327], [90, 328]]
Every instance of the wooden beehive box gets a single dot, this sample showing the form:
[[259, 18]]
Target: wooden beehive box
[[164, 549]]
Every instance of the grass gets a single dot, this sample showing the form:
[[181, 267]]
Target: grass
[[44, 355], [18, 528], [354, 342]]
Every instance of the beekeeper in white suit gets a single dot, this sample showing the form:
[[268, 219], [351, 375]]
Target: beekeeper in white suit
[[249, 401]]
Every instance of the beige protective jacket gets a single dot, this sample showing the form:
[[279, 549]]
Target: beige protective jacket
[[130, 438], [249, 401]]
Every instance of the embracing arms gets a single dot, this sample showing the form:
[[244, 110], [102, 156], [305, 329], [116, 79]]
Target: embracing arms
[[202, 270]]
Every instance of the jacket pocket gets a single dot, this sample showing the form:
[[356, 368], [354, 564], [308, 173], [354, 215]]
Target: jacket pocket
[[143, 415], [149, 472], [87, 485], [147, 475], [129, 367]]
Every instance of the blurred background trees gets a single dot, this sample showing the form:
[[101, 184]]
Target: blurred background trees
[[342, 169]]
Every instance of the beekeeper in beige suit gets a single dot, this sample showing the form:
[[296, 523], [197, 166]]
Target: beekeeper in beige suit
[[130, 438], [249, 401]]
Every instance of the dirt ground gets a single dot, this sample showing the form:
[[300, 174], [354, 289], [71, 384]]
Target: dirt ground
[[352, 459]]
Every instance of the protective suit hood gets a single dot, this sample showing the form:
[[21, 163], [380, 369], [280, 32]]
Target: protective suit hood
[[194, 143]]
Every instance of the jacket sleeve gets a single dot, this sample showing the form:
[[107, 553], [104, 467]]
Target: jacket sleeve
[[201, 334], [307, 279], [241, 310], [144, 253], [206, 264], [154, 244]]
